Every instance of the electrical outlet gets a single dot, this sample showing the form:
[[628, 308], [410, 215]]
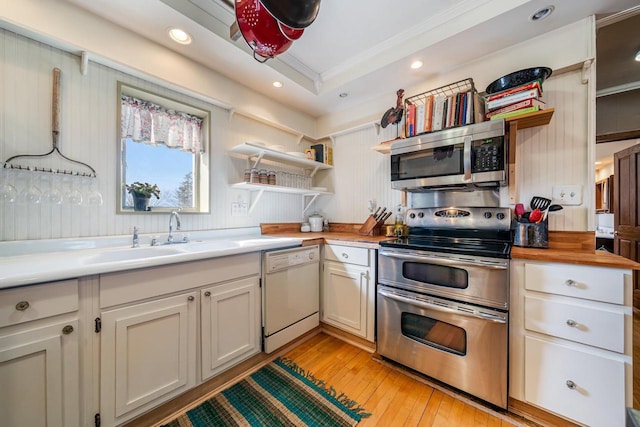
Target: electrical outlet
[[567, 195], [239, 208]]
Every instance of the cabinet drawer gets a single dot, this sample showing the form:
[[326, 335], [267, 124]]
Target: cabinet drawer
[[585, 387], [18, 305], [594, 283], [588, 325], [347, 254]]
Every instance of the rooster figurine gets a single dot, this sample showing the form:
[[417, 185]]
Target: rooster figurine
[[394, 114]]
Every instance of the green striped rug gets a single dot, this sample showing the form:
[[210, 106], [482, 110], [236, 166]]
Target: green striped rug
[[279, 394]]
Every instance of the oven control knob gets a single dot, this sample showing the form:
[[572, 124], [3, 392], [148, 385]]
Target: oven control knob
[[420, 214], [500, 216], [412, 215], [487, 215]]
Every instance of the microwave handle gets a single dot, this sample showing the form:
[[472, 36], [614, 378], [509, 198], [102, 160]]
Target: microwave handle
[[466, 162]]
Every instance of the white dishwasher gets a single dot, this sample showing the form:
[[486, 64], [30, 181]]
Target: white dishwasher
[[290, 295]]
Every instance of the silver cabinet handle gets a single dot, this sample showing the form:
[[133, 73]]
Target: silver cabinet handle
[[571, 385], [207, 294], [344, 255], [570, 282], [424, 259], [466, 163], [22, 305], [191, 298], [67, 329], [572, 323]]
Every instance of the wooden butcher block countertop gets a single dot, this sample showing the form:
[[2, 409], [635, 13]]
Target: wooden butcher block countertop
[[570, 247]]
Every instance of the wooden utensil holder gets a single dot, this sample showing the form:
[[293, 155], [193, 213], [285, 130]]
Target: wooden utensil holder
[[371, 227]]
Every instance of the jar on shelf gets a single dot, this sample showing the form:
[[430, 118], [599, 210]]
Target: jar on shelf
[[271, 177], [247, 175], [263, 178], [254, 176]]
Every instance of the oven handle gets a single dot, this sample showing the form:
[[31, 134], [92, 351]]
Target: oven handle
[[423, 304], [447, 261], [466, 163]]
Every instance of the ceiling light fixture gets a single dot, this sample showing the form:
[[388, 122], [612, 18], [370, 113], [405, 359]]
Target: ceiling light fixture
[[179, 36], [416, 64], [638, 56], [540, 14], [277, 84], [343, 95]]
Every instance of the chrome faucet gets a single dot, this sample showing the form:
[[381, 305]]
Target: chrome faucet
[[136, 240], [173, 214]]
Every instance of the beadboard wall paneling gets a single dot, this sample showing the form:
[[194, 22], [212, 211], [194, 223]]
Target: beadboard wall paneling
[[557, 154], [88, 133], [359, 175]]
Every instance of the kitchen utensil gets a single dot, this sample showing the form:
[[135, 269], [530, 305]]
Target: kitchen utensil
[[260, 30], [381, 214], [394, 114], [290, 33], [517, 78], [551, 208], [535, 215], [375, 214], [519, 210], [293, 13], [540, 203], [386, 216]]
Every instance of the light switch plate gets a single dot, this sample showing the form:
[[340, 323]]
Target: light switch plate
[[567, 195], [239, 209]]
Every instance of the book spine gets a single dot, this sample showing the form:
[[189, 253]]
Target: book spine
[[527, 86], [516, 113], [518, 105], [412, 120], [510, 99], [420, 118], [428, 115], [438, 105]]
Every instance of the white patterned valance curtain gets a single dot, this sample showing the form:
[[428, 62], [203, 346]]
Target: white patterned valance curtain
[[151, 124]]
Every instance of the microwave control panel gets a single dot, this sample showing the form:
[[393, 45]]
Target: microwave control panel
[[488, 155]]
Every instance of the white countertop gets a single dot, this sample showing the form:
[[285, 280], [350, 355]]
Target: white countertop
[[29, 262]]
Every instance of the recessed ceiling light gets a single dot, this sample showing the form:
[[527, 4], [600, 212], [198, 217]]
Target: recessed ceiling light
[[343, 95], [598, 163], [277, 84], [179, 36], [416, 64], [540, 14], [638, 56]]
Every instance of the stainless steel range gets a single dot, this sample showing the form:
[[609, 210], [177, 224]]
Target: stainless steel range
[[443, 298]]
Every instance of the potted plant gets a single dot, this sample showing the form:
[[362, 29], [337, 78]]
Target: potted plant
[[141, 193]]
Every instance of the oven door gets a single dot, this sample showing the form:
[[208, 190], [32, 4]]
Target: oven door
[[459, 344], [477, 280]]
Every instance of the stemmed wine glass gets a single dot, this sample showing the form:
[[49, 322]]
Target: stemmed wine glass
[[30, 194], [50, 184], [8, 193], [92, 195], [72, 196]]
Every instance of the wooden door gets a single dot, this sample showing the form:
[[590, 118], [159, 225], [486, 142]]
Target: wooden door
[[148, 355], [626, 221], [344, 297], [39, 375], [230, 324]]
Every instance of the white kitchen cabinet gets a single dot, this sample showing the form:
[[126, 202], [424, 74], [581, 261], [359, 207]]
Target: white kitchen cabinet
[[148, 355], [571, 340], [152, 346], [39, 355], [348, 289], [230, 324]]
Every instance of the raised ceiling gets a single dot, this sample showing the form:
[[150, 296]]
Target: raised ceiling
[[359, 47]]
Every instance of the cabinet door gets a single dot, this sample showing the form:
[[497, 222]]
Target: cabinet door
[[147, 355], [230, 324], [585, 386], [344, 297], [39, 375]]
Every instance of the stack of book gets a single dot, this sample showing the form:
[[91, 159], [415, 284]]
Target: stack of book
[[437, 112], [516, 101]]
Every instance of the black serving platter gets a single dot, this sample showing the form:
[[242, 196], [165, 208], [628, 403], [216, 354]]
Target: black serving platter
[[518, 78]]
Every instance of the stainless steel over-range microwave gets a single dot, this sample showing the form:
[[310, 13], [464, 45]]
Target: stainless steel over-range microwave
[[468, 156]]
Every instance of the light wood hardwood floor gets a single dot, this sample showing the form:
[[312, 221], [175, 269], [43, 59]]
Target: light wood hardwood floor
[[391, 396]]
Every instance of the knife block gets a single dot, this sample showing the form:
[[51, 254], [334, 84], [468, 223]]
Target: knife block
[[371, 227]]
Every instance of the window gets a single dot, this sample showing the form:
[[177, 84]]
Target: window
[[162, 142]]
